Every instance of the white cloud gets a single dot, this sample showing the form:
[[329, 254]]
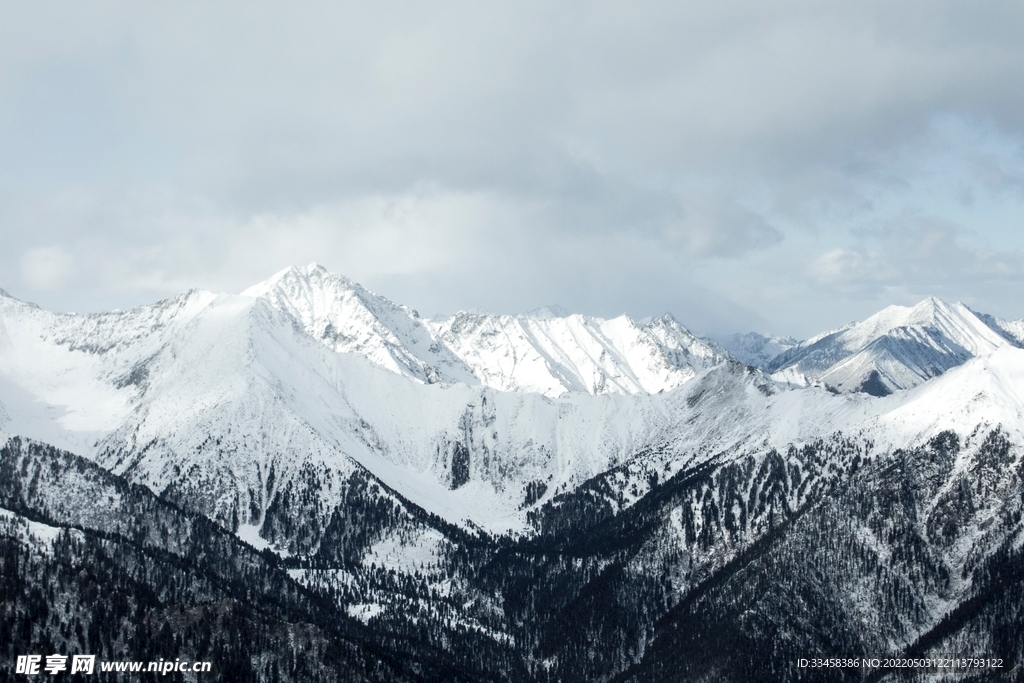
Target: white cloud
[[46, 268]]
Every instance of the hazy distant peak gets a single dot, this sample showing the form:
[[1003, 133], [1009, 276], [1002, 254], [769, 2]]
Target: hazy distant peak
[[547, 312], [663, 319], [752, 348]]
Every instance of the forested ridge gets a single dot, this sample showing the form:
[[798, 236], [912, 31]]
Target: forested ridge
[[731, 570]]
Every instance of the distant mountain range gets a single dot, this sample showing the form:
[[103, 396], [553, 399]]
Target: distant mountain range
[[897, 348], [536, 497]]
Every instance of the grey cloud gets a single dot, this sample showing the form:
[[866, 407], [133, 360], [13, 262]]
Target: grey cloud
[[712, 226], [262, 100]]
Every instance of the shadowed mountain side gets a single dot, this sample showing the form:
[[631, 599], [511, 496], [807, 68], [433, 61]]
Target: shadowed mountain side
[[95, 565], [876, 568]]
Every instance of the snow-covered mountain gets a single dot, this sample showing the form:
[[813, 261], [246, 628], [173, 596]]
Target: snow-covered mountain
[[756, 349], [897, 348], [223, 402], [547, 351], [536, 496]]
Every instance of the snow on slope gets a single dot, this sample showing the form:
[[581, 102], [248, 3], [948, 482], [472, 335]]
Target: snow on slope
[[225, 401], [986, 391], [247, 394], [545, 352], [31, 534], [894, 349], [349, 318], [552, 354], [1011, 330], [69, 379]]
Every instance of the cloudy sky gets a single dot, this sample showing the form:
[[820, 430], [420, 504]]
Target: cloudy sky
[[782, 167]]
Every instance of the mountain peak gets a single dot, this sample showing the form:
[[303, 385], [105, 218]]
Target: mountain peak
[[664, 319], [897, 348], [303, 274], [314, 269], [932, 306]]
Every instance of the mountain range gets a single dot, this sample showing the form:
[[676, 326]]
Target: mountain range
[[545, 496]]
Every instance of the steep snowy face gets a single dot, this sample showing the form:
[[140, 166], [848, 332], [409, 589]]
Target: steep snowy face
[[553, 354], [985, 392], [756, 349], [223, 402], [347, 317], [894, 349], [1011, 330], [227, 406], [548, 352]]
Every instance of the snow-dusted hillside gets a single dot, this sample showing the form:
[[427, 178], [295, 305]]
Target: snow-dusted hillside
[[894, 349], [221, 401], [69, 380]]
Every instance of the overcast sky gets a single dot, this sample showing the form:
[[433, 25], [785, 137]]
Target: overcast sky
[[780, 167]]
